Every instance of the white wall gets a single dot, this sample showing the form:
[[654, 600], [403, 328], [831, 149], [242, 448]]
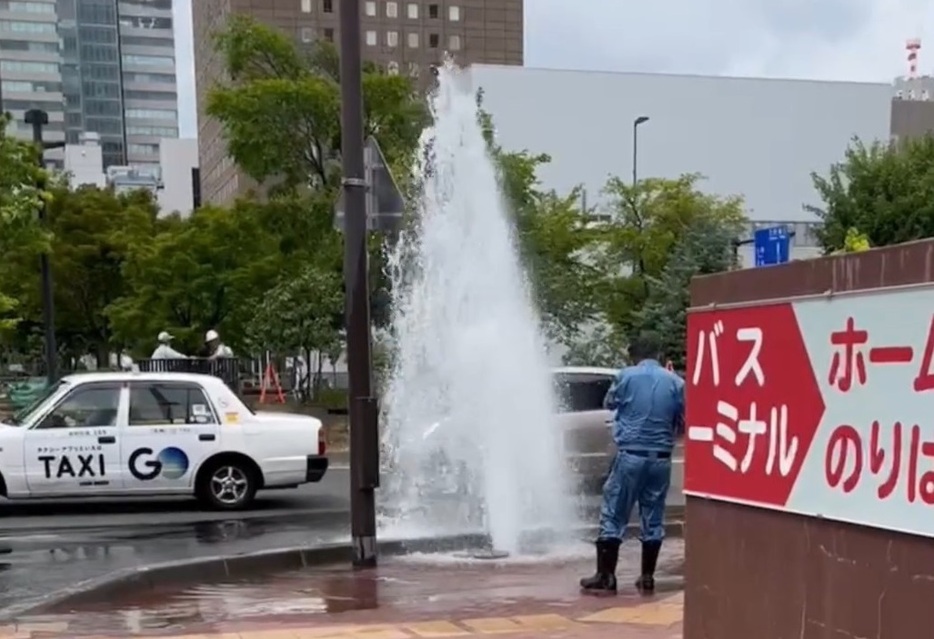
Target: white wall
[[84, 165], [177, 158], [760, 138]]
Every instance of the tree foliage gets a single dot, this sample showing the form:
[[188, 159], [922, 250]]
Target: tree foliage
[[281, 109], [652, 226], [883, 191], [92, 231], [21, 195]]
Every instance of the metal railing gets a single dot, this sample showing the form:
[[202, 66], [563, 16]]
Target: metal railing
[[227, 369]]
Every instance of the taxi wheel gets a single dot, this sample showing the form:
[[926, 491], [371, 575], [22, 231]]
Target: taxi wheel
[[227, 485]]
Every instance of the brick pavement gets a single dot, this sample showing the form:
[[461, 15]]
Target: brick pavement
[[405, 598]]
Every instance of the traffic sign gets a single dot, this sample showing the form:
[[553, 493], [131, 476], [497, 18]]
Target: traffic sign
[[384, 203], [772, 245]]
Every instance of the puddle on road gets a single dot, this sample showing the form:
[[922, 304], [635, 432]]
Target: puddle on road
[[411, 587]]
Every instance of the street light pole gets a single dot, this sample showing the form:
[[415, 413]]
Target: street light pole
[[364, 438], [642, 119], [38, 119]]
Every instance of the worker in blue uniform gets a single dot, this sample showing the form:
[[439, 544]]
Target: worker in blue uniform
[[649, 404]]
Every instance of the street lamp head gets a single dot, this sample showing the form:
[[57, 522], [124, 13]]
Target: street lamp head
[[37, 116], [640, 120]]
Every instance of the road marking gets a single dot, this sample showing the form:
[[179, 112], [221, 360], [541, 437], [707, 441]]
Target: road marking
[[436, 629], [492, 625], [658, 613], [340, 467], [546, 623]]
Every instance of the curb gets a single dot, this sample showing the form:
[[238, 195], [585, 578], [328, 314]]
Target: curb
[[247, 565]]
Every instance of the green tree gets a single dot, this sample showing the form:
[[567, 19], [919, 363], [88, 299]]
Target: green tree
[[20, 198], [649, 221], [705, 246], [881, 190], [555, 237], [299, 314], [93, 230], [281, 109], [208, 271]]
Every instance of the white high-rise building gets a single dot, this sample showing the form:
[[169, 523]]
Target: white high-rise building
[[102, 66]]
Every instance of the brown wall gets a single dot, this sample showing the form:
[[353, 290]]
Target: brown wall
[[912, 118], [753, 573], [487, 32]]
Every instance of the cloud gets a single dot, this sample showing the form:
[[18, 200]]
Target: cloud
[[832, 39], [857, 40]]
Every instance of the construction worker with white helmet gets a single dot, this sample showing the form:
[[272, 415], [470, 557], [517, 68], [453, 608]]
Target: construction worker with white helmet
[[164, 350], [218, 349]]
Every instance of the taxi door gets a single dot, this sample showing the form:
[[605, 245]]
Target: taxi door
[[74, 449], [171, 428]]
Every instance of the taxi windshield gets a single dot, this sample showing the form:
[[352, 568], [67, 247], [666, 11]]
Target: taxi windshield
[[21, 416]]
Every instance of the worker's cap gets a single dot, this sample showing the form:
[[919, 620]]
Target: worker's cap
[[210, 336], [164, 336]]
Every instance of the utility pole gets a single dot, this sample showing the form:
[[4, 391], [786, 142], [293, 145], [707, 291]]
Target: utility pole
[[364, 436], [642, 119], [38, 119]]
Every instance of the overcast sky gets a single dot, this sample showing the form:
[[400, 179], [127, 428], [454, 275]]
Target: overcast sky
[[859, 40]]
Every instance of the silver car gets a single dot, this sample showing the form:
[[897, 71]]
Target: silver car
[[587, 424]]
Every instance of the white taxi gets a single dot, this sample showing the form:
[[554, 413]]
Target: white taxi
[[137, 434]]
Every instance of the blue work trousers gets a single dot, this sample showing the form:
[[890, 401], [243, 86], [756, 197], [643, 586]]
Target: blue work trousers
[[635, 479]]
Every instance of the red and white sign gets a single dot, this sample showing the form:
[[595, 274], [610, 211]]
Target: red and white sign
[[819, 406]]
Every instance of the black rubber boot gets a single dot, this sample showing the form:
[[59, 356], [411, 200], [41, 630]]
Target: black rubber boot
[[604, 581], [646, 581]]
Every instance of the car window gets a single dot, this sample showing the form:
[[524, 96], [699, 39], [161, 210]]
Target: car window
[[85, 407], [578, 392], [155, 403], [23, 415]]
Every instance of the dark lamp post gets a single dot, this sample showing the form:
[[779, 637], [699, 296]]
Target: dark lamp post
[[38, 119]]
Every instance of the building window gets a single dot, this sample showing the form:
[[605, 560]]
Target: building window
[[370, 8], [392, 38], [155, 131], [149, 61], [306, 6], [392, 68], [28, 7], [454, 13], [433, 11], [392, 9], [143, 149], [28, 27], [412, 11], [307, 34], [371, 38], [454, 43], [413, 69], [327, 6], [413, 40], [29, 67], [151, 114], [433, 40], [329, 34]]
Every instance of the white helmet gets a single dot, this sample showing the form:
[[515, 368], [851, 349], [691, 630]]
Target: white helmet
[[211, 335], [164, 336]]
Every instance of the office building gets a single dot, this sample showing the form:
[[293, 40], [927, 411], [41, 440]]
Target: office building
[[404, 36], [170, 179], [30, 68], [102, 66]]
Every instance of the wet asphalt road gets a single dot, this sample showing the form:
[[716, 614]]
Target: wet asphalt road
[[49, 545]]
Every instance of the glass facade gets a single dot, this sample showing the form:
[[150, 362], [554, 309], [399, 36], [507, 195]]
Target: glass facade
[[92, 75]]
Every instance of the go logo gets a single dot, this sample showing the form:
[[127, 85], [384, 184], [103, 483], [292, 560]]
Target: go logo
[[171, 463]]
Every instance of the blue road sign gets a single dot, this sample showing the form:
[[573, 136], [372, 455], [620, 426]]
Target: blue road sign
[[772, 245]]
